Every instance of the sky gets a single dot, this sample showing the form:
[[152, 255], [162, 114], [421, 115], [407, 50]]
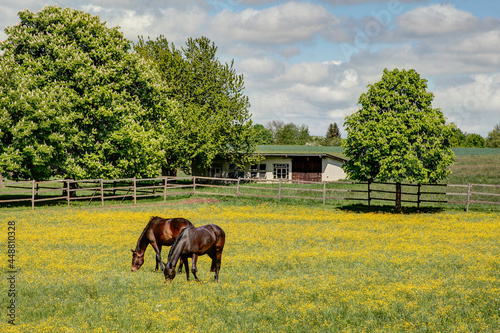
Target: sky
[[307, 62]]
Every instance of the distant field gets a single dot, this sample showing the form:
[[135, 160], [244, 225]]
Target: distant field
[[475, 165], [285, 268], [476, 151], [472, 165]]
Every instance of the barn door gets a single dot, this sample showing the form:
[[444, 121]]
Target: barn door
[[307, 168]]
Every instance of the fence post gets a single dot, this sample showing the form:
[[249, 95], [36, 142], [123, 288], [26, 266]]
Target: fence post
[[67, 192], [165, 189], [102, 192], [324, 193], [369, 193], [33, 195], [418, 197], [279, 189], [194, 185], [238, 187], [135, 190], [468, 197]]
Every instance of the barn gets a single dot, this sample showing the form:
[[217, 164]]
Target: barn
[[307, 163]]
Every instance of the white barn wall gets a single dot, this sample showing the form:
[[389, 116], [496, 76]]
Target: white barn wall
[[270, 161], [332, 170]]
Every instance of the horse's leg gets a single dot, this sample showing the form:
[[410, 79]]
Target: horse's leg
[[158, 255], [158, 259], [213, 256], [181, 262], [217, 263], [185, 261], [213, 267], [193, 266]]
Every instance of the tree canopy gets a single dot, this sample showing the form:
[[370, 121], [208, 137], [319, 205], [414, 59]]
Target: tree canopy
[[215, 120], [262, 135], [288, 134], [493, 139], [461, 139], [397, 135], [332, 137], [76, 103]]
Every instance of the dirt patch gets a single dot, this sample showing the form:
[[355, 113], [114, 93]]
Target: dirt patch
[[183, 202], [193, 201]]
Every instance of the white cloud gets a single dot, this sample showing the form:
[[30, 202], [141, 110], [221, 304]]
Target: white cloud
[[435, 20], [282, 24], [290, 51], [316, 94], [481, 42], [260, 66], [471, 102], [177, 24], [306, 72]]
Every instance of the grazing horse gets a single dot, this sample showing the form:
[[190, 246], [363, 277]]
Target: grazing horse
[[193, 242], [158, 232]]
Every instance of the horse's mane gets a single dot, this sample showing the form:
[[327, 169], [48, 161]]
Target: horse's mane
[[155, 219], [176, 241], [152, 220]]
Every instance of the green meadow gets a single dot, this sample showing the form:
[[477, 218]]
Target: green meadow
[[285, 268]]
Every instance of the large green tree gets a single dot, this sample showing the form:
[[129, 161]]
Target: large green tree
[[215, 120], [289, 134], [474, 141], [74, 102], [493, 138], [333, 136], [397, 135], [458, 137], [262, 135], [461, 139]]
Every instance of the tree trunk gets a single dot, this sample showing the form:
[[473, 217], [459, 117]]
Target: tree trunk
[[398, 198], [168, 172]]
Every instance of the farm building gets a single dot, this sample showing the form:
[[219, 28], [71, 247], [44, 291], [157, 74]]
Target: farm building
[[287, 162]]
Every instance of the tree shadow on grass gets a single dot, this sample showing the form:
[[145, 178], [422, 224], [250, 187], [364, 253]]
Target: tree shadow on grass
[[359, 208]]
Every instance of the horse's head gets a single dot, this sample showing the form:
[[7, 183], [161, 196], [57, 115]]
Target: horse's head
[[137, 260], [169, 272]]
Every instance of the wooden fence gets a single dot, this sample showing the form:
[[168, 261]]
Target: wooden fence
[[133, 189]]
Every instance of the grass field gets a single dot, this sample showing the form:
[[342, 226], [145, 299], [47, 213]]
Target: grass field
[[285, 268], [477, 169]]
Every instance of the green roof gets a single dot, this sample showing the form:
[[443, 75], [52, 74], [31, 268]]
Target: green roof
[[283, 150]]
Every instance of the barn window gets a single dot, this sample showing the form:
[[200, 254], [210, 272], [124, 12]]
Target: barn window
[[258, 171], [281, 171], [216, 170], [235, 172]]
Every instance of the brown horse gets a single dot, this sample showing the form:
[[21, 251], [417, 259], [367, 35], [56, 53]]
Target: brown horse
[[193, 242], [158, 232]]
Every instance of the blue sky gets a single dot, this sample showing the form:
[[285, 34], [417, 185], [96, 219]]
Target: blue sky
[[307, 62]]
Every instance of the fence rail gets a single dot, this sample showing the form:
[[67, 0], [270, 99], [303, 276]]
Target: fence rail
[[133, 189]]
